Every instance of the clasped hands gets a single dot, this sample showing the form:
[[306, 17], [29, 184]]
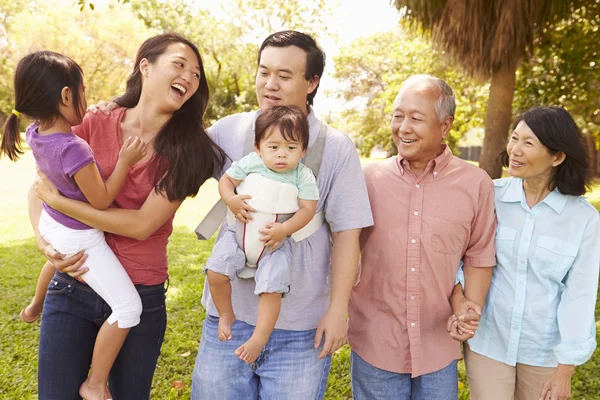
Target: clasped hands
[[463, 324]]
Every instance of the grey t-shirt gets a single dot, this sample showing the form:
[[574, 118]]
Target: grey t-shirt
[[343, 198]]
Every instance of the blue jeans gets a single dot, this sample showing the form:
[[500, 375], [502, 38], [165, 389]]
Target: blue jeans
[[372, 383], [287, 368], [73, 314]]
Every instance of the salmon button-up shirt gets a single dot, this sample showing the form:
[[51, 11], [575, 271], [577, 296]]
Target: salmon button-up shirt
[[423, 227]]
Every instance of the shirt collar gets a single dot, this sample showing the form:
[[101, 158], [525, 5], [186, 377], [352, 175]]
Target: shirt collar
[[436, 165], [515, 193]]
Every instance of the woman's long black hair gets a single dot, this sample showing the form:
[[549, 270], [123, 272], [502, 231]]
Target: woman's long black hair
[[185, 156]]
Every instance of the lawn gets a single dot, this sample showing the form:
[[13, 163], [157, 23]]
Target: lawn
[[20, 262]]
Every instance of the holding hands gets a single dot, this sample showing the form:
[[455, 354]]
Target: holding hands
[[463, 324]]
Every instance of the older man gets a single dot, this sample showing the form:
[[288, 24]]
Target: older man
[[431, 210]]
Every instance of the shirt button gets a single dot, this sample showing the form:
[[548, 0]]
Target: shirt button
[[412, 297], [417, 186], [413, 241], [412, 270], [434, 173], [413, 325], [416, 213]]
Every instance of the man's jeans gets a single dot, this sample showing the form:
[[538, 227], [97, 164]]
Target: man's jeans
[[73, 314], [372, 383], [287, 368]]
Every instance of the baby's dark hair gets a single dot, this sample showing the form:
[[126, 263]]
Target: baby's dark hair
[[39, 80], [290, 121]]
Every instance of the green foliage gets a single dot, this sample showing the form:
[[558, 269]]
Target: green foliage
[[229, 46], [371, 70], [88, 37], [564, 70]]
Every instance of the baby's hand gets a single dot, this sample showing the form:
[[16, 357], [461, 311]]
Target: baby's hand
[[133, 150], [238, 206], [274, 233]]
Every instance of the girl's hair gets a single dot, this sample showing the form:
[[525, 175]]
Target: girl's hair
[[39, 80], [185, 156], [290, 121], [557, 131]]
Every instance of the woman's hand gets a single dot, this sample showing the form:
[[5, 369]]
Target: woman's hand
[[104, 106], [72, 265], [46, 191], [466, 315], [558, 387]]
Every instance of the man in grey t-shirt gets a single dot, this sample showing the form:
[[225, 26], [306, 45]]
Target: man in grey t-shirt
[[295, 362]]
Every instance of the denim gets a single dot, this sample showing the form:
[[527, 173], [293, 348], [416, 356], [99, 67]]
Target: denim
[[372, 383], [73, 314], [288, 367]]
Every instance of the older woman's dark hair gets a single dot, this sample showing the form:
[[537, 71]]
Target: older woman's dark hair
[[556, 129], [289, 120]]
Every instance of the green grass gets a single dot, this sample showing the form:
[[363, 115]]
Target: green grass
[[20, 263]]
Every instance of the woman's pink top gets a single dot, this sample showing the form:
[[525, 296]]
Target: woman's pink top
[[145, 261]]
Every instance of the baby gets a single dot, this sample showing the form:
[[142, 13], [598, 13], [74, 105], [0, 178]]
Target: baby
[[281, 140]]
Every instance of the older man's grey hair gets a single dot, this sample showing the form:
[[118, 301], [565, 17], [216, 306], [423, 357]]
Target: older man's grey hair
[[445, 105]]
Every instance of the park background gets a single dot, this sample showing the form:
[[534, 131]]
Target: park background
[[500, 56]]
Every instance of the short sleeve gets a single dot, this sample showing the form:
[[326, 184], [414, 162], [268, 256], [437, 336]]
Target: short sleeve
[[347, 204], [307, 184], [74, 155], [481, 250], [239, 170]]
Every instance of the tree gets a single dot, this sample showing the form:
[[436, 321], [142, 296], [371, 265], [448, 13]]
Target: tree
[[490, 39], [564, 70], [93, 39], [370, 71], [229, 46]]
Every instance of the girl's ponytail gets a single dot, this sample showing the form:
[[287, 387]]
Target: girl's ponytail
[[11, 138]]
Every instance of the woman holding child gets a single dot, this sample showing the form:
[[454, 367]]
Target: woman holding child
[[538, 320], [164, 104]]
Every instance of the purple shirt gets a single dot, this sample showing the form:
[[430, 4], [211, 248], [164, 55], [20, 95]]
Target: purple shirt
[[59, 156]]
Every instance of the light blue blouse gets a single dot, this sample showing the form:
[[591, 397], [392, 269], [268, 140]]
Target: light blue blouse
[[540, 307]]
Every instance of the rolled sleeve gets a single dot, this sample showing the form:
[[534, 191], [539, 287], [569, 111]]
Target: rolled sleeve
[[481, 250], [576, 321]]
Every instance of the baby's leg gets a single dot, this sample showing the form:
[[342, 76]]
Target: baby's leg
[[33, 311], [225, 260], [220, 291], [273, 278], [269, 305]]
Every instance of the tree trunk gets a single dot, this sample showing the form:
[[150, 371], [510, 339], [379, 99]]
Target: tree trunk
[[591, 144], [497, 119]]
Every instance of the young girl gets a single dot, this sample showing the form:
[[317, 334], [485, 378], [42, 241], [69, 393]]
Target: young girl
[[281, 139], [49, 89]]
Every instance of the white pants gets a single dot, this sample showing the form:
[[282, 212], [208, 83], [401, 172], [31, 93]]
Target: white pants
[[106, 275]]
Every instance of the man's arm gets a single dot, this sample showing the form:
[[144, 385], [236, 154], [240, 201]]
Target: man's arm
[[344, 266]]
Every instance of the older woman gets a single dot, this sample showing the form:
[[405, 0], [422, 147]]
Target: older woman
[[538, 320]]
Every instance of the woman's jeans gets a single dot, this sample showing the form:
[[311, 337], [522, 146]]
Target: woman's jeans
[[73, 314]]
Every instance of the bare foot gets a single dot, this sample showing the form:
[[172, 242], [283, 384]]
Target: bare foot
[[225, 323], [250, 350], [88, 392], [31, 313]]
